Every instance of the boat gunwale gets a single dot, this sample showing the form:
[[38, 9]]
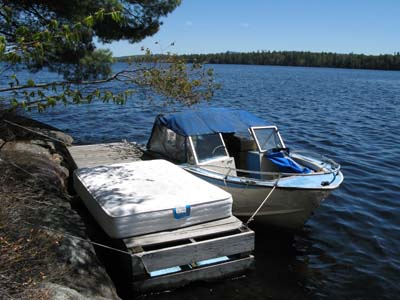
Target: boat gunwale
[[240, 180]]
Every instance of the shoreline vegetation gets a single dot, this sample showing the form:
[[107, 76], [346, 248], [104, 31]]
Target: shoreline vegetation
[[389, 62]]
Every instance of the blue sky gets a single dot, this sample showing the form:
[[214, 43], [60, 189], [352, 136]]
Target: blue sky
[[206, 26]]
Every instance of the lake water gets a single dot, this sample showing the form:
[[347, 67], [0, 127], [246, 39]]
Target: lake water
[[350, 248]]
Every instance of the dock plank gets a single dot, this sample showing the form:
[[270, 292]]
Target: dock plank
[[104, 154], [198, 251], [219, 226], [208, 273]]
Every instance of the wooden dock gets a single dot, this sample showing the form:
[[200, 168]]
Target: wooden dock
[[173, 258], [187, 250], [104, 154]]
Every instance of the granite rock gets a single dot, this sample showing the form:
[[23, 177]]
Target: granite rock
[[34, 178]]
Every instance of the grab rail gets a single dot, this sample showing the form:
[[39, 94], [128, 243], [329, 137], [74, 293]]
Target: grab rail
[[333, 171]]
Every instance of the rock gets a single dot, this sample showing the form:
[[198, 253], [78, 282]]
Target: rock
[[25, 146], [51, 146], [57, 158], [20, 127], [38, 200], [45, 144], [54, 135], [33, 180], [59, 292], [35, 157]]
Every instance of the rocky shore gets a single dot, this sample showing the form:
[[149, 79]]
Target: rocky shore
[[43, 252]]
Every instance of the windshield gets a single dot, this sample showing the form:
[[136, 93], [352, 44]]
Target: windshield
[[208, 146], [267, 138]]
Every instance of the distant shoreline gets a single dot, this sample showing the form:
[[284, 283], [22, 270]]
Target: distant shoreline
[[291, 58]]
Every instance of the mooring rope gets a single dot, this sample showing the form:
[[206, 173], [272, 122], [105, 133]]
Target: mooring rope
[[71, 236], [262, 203]]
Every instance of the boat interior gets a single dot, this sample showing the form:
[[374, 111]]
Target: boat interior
[[233, 155]]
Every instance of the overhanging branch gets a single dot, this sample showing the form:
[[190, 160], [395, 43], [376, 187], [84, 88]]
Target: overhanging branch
[[61, 83]]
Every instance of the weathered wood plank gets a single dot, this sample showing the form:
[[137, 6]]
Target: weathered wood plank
[[100, 154], [198, 251], [200, 230], [213, 272]]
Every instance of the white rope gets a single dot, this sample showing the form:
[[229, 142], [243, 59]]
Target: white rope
[[262, 204], [70, 236]]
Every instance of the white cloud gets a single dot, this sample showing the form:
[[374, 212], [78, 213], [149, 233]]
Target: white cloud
[[189, 23], [244, 24]]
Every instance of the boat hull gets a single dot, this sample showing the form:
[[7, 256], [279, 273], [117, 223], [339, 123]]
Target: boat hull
[[286, 207]]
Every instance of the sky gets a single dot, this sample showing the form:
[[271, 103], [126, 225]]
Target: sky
[[211, 26]]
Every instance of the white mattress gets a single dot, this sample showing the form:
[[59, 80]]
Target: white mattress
[[135, 198]]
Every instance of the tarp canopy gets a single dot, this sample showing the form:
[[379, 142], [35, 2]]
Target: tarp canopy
[[210, 120]]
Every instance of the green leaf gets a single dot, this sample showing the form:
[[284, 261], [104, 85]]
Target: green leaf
[[3, 44], [89, 21], [53, 24], [51, 101], [99, 14], [14, 102], [116, 16]]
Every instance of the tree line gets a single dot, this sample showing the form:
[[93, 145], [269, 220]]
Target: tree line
[[299, 58], [304, 59]]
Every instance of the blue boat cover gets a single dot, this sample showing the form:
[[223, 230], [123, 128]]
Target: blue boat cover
[[286, 164], [210, 120]]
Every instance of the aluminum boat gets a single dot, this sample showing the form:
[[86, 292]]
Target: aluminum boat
[[247, 157]]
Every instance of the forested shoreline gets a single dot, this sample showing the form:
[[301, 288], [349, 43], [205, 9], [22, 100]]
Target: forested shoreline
[[295, 58]]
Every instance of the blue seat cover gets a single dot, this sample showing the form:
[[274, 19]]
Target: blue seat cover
[[286, 164]]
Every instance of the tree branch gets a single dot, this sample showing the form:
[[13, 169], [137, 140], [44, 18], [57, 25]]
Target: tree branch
[[123, 73], [59, 83]]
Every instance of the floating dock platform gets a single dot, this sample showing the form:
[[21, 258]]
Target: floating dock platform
[[172, 258], [208, 251]]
